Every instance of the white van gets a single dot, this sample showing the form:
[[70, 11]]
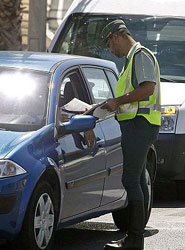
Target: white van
[[158, 25]]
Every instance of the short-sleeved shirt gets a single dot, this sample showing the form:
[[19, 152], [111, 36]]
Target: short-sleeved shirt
[[143, 66]]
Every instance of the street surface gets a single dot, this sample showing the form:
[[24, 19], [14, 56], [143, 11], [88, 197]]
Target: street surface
[[165, 230]]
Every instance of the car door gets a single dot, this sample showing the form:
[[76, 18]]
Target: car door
[[101, 91], [83, 167]]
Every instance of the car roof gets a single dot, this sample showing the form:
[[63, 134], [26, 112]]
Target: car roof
[[45, 61], [130, 7]]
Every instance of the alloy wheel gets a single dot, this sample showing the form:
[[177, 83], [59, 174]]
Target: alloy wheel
[[44, 221]]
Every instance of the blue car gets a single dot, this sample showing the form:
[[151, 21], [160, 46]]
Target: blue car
[[50, 176]]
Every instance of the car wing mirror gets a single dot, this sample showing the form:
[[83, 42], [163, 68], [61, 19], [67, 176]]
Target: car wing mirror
[[77, 123]]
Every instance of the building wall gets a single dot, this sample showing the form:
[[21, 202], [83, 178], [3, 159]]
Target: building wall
[[56, 10], [24, 24]]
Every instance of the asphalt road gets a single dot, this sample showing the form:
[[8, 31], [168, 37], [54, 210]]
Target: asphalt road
[[165, 231]]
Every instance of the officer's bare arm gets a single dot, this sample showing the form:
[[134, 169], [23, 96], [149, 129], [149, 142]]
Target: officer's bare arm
[[144, 90]]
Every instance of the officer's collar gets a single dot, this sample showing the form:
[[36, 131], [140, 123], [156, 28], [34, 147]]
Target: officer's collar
[[132, 50]]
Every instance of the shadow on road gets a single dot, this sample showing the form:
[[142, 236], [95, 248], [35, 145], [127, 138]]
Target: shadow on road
[[86, 236], [90, 236]]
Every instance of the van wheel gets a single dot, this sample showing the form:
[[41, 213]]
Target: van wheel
[[40, 219], [121, 217]]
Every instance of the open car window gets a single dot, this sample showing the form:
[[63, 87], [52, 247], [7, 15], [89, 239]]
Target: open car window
[[73, 93]]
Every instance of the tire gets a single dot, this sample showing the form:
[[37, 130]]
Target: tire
[[150, 189], [40, 220], [121, 216]]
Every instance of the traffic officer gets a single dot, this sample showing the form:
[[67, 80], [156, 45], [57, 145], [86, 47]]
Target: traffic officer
[[137, 106]]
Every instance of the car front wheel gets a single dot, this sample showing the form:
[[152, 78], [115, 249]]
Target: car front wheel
[[121, 217], [40, 219]]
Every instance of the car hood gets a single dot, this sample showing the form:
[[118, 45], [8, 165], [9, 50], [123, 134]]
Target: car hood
[[172, 93], [9, 140]]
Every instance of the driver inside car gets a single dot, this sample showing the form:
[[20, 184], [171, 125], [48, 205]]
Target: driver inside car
[[89, 137]]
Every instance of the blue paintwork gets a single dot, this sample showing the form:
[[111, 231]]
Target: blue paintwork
[[45, 61], [82, 122], [34, 151], [31, 154], [31, 60]]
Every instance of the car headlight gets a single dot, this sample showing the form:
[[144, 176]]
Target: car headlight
[[10, 168], [169, 119]]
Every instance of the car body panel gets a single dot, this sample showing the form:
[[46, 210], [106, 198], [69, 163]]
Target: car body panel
[[172, 94], [112, 186], [151, 7], [180, 128], [81, 172], [171, 152], [31, 60], [79, 169], [126, 7], [116, 205], [10, 221], [9, 140], [34, 150]]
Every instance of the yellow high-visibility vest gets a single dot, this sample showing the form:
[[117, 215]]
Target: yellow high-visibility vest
[[150, 108]]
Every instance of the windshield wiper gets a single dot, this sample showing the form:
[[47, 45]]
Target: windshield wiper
[[4, 129], [164, 79]]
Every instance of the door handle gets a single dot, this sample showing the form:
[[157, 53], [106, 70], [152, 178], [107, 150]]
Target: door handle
[[99, 145], [100, 142]]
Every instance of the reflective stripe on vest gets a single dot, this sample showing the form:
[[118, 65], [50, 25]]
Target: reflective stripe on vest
[[150, 108]]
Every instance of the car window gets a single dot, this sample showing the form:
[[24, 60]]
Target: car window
[[72, 86], [112, 79], [98, 84], [24, 99]]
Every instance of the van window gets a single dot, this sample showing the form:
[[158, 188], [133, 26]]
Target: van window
[[82, 36], [164, 36]]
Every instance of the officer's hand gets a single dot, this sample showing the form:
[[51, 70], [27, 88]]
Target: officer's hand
[[111, 105]]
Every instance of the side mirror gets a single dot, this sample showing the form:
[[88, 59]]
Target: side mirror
[[77, 123]]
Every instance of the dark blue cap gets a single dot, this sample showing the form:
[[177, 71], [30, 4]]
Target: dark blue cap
[[112, 27]]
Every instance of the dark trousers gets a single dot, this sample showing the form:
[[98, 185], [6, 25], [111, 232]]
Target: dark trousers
[[137, 137]]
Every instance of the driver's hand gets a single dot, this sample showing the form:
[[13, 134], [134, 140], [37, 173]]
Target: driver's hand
[[90, 138], [65, 117]]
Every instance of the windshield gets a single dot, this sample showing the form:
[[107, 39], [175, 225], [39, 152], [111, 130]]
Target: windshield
[[23, 99], [165, 37]]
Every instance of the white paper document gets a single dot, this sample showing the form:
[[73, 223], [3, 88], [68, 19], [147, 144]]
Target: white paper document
[[98, 112], [101, 113], [76, 106]]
